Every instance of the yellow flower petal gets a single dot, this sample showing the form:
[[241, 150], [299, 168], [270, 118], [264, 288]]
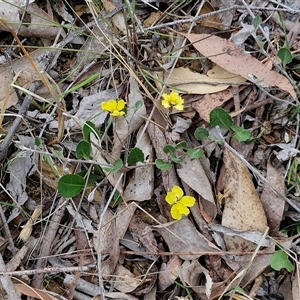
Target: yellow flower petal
[[165, 104], [121, 104], [175, 213], [171, 198], [177, 190], [179, 107], [188, 201], [109, 105], [174, 195]]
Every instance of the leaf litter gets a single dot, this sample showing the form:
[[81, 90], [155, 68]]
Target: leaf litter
[[116, 238]]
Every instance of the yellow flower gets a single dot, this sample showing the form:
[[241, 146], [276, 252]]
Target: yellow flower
[[179, 202], [173, 99], [115, 107]]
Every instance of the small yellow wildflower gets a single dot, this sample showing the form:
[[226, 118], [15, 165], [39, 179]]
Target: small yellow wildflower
[[173, 99], [179, 202], [115, 107]]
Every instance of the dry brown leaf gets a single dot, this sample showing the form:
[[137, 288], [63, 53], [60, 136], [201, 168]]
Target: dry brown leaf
[[193, 174], [32, 292], [211, 21], [182, 236], [190, 82], [169, 272], [142, 233], [190, 273], [126, 281], [210, 101], [273, 204], [118, 19], [26, 73], [153, 18], [233, 59], [243, 209]]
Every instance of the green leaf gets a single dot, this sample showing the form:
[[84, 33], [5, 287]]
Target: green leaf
[[201, 134], [38, 141], [256, 21], [83, 150], [92, 177], [70, 185], [195, 153], [177, 160], [88, 128], [169, 149], [220, 117], [117, 198], [116, 167], [240, 134], [181, 145], [138, 104], [135, 155], [281, 260], [285, 55], [160, 164]]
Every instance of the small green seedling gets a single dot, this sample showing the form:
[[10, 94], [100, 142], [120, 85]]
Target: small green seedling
[[220, 117], [280, 260]]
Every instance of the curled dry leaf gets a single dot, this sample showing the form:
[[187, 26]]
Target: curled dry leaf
[[191, 272], [243, 209], [169, 272], [216, 80], [32, 292], [233, 59]]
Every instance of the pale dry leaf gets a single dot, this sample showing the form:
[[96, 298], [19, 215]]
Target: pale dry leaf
[[249, 235], [153, 18], [17, 259], [191, 272], [233, 59], [193, 174], [183, 79], [126, 281], [212, 20], [118, 19], [106, 245], [10, 13], [118, 295], [125, 212], [33, 292], [169, 272], [26, 73], [274, 205], [182, 236], [141, 183], [24, 164], [243, 209]]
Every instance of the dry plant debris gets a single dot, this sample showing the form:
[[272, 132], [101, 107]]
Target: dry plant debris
[[149, 149]]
